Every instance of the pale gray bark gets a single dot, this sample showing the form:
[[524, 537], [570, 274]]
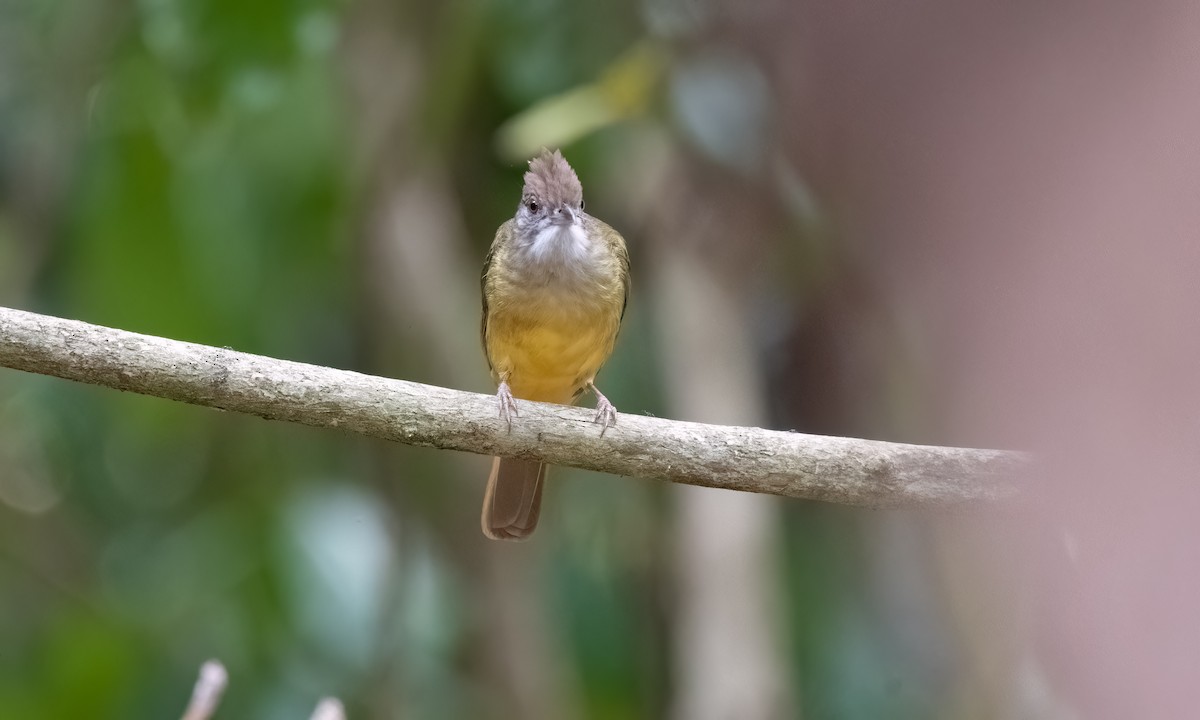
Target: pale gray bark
[[843, 470]]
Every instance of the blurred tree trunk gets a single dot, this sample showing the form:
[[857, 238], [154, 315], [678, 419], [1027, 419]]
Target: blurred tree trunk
[[39, 141], [729, 657]]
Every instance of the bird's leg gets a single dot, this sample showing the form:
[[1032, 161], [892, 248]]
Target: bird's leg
[[606, 413], [508, 405]]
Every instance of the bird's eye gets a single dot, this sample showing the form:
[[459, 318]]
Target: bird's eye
[[533, 207], [580, 204]]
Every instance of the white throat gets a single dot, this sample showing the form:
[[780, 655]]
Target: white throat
[[560, 244]]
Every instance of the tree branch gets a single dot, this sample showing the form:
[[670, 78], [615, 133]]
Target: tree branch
[[210, 686], [206, 695], [842, 470]]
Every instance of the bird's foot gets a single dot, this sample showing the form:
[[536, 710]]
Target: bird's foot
[[606, 412], [508, 405]]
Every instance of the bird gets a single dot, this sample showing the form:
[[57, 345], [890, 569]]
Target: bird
[[555, 285]]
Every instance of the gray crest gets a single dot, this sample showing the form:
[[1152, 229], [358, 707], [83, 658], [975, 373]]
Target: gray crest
[[551, 182]]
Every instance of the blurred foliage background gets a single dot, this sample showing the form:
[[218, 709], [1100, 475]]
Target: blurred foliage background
[[319, 181]]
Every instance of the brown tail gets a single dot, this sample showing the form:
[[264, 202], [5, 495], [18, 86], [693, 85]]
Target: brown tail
[[513, 499]]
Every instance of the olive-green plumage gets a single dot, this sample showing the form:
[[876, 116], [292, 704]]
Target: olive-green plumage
[[555, 285]]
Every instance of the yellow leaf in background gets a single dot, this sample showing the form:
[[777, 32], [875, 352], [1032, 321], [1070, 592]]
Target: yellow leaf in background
[[621, 92]]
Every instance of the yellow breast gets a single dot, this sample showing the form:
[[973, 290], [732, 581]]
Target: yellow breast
[[547, 353]]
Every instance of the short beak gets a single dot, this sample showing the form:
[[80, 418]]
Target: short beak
[[564, 215]]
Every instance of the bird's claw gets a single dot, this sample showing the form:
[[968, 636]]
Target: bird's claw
[[508, 405], [606, 412]]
